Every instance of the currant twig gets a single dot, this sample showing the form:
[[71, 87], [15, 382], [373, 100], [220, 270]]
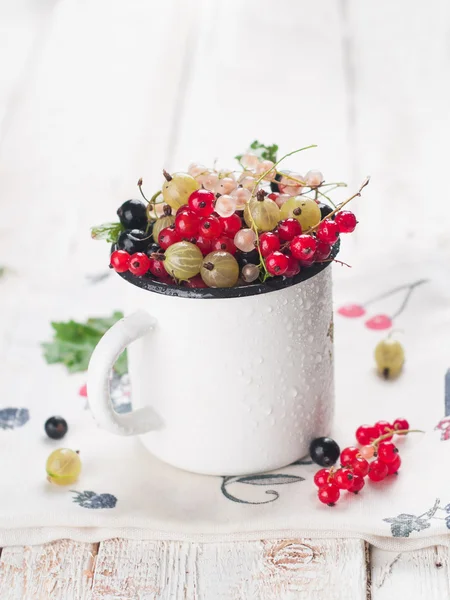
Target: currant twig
[[139, 183], [341, 206], [385, 436]]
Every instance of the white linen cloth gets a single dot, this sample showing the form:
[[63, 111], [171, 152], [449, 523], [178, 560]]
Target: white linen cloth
[[149, 499]]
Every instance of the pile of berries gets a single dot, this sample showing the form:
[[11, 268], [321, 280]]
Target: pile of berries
[[222, 228], [377, 458]]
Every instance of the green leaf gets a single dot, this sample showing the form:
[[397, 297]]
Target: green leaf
[[73, 343], [107, 231], [262, 151]]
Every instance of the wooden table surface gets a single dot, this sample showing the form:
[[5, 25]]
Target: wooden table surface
[[93, 94]]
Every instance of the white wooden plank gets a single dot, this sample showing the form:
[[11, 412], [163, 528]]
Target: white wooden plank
[[263, 570], [414, 575], [57, 571]]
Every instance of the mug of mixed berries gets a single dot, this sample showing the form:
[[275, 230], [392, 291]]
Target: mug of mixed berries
[[230, 312]]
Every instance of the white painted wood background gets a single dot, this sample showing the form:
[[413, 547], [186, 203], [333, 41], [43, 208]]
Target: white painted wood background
[[94, 94]]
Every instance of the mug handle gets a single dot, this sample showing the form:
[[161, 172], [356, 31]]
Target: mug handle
[[111, 345]]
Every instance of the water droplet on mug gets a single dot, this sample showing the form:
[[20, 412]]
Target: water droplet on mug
[[310, 337], [260, 360], [294, 392], [269, 410], [269, 309], [318, 358]]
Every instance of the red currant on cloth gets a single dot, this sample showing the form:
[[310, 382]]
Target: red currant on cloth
[[328, 231], [400, 424], [187, 223], [223, 243], [343, 478], [168, 236], [329, 494], [366, 434], [378, 470], [394, 466], [348, 455], [303, 247], [288, 229], [139, 263], [202, 202], [277, 263], [322, 477], [211, 227], [357, 484], [268, 242], [387, 452], [231, 225], [360, 466], [120, 261], [383, 428], [346, 221]]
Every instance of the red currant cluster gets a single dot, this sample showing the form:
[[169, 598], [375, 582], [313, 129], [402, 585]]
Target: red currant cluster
[[356, 463], [225, 228]]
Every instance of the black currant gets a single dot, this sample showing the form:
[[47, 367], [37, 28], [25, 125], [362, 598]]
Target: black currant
[[273, 185], [325, 210], [153, 249], [324, 451], [133, 241], [56, 428], [245, 258], [133, 214]]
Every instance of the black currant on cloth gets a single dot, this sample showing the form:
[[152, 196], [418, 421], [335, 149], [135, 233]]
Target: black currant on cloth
[[324, 451], [56, 428]]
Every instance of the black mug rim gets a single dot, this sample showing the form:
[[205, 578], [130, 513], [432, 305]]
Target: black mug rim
[[252, 289]]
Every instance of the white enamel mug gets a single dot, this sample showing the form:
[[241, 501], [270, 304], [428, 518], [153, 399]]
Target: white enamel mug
[[222, 385]]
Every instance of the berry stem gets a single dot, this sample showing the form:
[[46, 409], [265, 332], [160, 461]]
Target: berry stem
[[394, 431], [341, 206], [139, 183]]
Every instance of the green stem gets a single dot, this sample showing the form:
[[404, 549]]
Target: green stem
[[385, 436], [153, 198]]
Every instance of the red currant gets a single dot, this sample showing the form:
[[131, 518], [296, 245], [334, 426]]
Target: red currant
[[288, 229], [224, 243], [269, 242], [357, 484], [157, 268], [366, 434], [348, 454], [277, 263], [387, 452], [187, 223], [378, 470], [346, 221], [202, 202], [328, 231], [329, 494], [293, 267], [273, 196], [384, 427], [394, 466], [400, 424], [139, 263], [195, 282], [120, 261], [303, 247], [343, 478], [211, 227], [204, 244], [360, 466], [323, 251], [168, 236], [307, 263], [231, 225], [322, 477]]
